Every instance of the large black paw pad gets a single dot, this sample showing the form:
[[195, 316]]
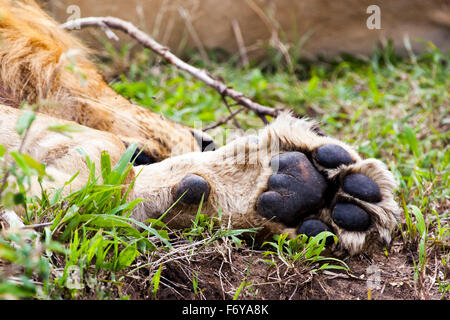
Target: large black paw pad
[[192, 187], [362, 187], [332, 156], [351, 217], [294, 191]]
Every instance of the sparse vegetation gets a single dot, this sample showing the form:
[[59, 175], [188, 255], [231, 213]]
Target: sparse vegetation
[[391, 108]]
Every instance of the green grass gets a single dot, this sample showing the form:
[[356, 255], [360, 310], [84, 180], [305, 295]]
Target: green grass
[[391, 108], [304, 251]]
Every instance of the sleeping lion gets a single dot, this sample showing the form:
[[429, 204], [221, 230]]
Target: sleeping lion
[[289, 177]]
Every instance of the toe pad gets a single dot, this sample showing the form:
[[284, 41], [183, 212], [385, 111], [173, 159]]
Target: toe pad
[[332, 156], [192, 187], [312, 227], [362, 187], [351, 217]]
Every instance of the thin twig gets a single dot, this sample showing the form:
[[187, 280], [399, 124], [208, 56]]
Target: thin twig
[[202, 75], [39, 225], [220, 278], [187, 21], [235, 122], [240, 42], [220, 122]]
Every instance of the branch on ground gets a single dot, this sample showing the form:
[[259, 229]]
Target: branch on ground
[[220, 122], [108, 23]]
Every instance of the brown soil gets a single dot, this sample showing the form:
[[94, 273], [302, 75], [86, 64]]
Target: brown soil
[[220, 276]]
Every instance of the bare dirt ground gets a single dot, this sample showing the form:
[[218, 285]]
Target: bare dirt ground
[[220, 275]]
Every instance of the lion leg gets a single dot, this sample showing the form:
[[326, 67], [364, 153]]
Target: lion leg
[[59, 153], [287, 179], [42, 64]]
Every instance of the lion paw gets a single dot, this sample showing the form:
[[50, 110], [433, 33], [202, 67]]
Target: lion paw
[[311, 183], [332, 192], [325, 186]]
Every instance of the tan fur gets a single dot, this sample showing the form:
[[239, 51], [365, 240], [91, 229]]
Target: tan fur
[[42, 64], [34, 56], [58, 152], [238, 174]]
